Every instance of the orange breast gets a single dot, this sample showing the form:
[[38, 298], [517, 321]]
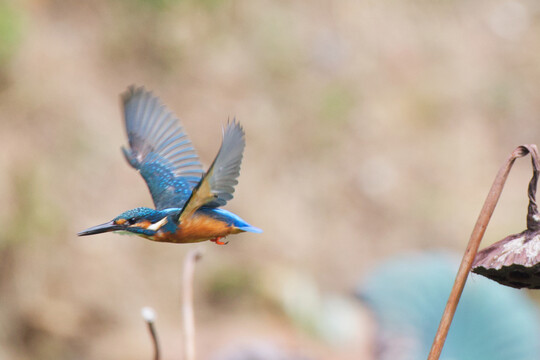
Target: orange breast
[[198, 227]]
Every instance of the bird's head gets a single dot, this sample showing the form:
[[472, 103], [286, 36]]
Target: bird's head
[[140, 221]]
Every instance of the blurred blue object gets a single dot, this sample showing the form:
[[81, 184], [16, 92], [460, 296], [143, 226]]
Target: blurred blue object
[[257, 350], [408, 294]]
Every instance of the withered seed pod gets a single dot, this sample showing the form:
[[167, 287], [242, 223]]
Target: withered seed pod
[[515, 260]]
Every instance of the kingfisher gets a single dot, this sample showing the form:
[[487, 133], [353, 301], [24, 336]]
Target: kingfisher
[[187, 200]]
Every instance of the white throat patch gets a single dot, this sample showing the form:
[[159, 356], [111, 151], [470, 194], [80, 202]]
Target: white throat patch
[[156, 226]]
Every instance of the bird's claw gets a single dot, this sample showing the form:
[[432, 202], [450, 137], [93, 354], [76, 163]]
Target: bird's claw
[[218, 242]]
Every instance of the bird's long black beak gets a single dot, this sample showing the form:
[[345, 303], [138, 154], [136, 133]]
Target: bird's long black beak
[[98, 229]]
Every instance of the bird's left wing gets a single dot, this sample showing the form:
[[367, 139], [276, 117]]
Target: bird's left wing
[[217, 185], [159, 149]]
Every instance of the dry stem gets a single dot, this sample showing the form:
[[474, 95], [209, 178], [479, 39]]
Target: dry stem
[[472, 249], [187, 303], [153, 333], [149, 317]]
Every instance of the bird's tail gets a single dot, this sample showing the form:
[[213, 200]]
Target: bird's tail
[[249, 228]]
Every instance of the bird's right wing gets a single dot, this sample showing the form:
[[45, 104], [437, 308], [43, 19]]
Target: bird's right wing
[[159, 149], [217, 185]]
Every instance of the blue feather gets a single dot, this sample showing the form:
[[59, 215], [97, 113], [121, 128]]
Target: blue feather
[[159, 149], [229, 218]]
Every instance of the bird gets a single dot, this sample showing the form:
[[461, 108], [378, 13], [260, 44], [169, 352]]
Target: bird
[[187, 200]]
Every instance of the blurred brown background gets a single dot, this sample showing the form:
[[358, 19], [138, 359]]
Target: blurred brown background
[[373, 128]]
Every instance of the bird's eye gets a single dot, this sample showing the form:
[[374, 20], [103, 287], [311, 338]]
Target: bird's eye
[[131, 221]]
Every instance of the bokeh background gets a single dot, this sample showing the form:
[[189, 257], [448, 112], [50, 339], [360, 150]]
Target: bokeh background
[[374, 129]]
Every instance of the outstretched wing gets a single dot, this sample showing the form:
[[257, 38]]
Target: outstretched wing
[[159, 149], [217, 185]]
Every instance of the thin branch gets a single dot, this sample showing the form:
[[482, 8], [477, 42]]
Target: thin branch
[[472, 249], [187, 303], [149, 316]]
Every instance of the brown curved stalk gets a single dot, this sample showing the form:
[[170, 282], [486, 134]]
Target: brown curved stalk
[[149, 317], [153, 334], [474, 243]]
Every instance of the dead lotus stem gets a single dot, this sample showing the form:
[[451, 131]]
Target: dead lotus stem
[[149, 317], [187, 303], [472, 248], [153, 334]]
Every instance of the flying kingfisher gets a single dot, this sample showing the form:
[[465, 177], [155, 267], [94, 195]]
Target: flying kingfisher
[[187, 199]]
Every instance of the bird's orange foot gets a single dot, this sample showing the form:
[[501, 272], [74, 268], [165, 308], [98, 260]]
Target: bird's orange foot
[[218, 242]]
